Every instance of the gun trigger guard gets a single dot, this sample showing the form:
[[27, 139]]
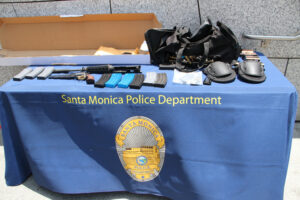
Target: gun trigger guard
[[81, 76]]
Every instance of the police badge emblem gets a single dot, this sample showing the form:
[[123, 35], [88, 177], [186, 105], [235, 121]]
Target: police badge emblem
[[140, 146]]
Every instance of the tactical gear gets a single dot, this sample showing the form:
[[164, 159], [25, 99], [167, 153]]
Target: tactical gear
[[150, 78], [20, 76], [114, 80], [156, 79], [161, 81], [103, 69], [78, 76], [137, 81], [219, 72], [90, 79], [36, 71], [46, 73], [188, 52], [101, 82], [126, 80], [252, 71]]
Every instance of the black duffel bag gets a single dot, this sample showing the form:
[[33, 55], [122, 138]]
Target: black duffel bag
[[189, 52]]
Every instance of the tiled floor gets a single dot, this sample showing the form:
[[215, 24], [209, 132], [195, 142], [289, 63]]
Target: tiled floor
[[30, 190]]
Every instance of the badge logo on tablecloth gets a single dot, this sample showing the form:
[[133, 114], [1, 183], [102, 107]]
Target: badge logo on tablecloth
[[141, 148]]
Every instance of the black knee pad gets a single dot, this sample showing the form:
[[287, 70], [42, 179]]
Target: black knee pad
[[219, 72], [252, 71]]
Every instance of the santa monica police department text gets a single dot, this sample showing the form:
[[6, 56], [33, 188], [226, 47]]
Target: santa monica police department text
[[141, 99]]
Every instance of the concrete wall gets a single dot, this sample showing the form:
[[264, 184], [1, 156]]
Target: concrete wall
[[276, 17]]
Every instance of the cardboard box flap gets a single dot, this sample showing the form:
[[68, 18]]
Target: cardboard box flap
[[87, 32]]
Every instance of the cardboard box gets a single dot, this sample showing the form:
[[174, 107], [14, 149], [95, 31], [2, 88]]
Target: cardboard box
[[74, 39]]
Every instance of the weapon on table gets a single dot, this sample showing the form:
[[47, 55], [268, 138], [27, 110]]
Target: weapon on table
[[78, 76], [90, 79], [44, 73], [103, 69]]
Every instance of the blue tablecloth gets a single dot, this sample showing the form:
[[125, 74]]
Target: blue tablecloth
[[235, 150]]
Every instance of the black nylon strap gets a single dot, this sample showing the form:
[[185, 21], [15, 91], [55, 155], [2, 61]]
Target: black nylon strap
[[179, 65], [180, 52], [206, 46]]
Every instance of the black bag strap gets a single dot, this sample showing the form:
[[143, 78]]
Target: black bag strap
[[179, 57], [179, 65], [206, 46]]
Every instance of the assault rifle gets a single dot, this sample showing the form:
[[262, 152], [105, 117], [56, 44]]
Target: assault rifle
[[103, 69], [84, 73]]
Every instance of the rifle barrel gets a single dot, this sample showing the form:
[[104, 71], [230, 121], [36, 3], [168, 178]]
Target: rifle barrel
[[66, 70]]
